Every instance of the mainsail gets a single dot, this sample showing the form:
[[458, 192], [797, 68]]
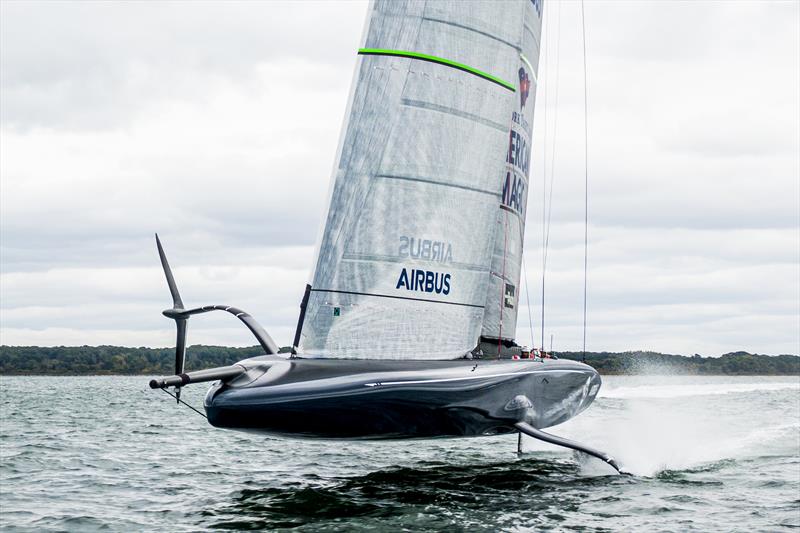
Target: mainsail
[[421, 251]]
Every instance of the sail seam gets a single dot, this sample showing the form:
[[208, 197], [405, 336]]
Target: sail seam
[[474, 30], [510, 210], [455, 112], [533, 36], [500, 276], [437, 182], [397, 297], [377, 258], [440, 60]]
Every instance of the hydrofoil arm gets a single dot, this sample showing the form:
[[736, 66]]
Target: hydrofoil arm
[[181, 315], [531, 431], [263, 338]]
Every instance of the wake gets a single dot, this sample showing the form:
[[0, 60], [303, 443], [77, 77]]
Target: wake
[[658, 424], [682, 391]]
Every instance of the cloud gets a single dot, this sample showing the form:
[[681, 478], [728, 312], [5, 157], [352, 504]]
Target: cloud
[[216, 124], [74, 65]]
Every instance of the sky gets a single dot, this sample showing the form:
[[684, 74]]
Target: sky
[[216, 125]]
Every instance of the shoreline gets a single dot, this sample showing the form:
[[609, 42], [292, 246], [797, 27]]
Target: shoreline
[[127, 361]]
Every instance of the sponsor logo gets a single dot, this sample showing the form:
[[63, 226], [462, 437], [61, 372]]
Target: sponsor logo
[[514, 192], [426, 249], [518, 151], [524, 87], [509, 296], [424, 281], [519, 119]]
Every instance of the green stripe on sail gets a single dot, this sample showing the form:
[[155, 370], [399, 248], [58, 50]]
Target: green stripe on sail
[[434, 59]]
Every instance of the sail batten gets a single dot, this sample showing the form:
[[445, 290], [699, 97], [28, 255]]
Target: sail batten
[[439, 60], [434, 151]]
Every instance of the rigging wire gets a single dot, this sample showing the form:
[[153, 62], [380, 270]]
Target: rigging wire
[[186, 404], [503, 281], [545, 39], [547, 198], [527, 297], [585, 179]]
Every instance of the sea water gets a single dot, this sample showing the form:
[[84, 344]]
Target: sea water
[[108, 453]]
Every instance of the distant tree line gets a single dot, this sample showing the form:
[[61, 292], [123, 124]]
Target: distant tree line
[[100, 360], [735, 363], [104, 360]]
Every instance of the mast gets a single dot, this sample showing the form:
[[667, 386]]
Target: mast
[[502, 303], [430, 184]]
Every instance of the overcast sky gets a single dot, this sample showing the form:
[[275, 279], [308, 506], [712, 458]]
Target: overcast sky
[[216, 124]]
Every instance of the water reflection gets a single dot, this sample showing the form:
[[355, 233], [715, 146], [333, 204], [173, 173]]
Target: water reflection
[[534, 485]]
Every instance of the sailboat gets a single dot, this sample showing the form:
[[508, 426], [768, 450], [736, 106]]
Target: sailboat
[[407, 328]]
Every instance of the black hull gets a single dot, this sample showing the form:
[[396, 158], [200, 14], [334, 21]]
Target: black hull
[[367, 399]]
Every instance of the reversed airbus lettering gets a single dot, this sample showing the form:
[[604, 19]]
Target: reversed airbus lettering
[[426, 249]]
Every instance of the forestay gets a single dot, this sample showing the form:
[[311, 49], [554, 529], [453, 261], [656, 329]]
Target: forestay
[[421, 250]]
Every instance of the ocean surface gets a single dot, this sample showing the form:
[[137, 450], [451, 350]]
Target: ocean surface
[[108, 453]]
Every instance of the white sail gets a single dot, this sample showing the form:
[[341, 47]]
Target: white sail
[[407, 266]]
